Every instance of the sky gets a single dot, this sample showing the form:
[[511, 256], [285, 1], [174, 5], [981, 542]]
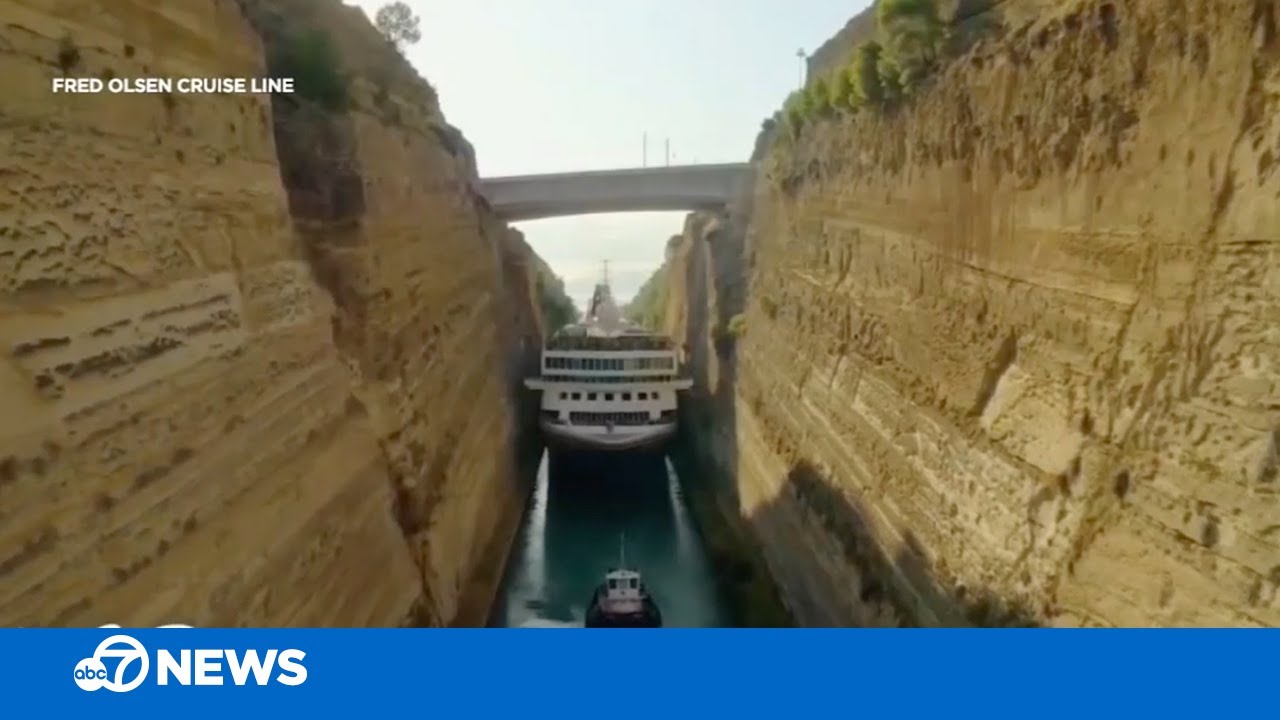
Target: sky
[[564, 85]]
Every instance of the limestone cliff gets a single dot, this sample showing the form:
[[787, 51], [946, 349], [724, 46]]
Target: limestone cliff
[[259, 356], [1011, 352]]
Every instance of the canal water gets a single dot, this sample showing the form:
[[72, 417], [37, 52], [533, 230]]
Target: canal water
[[580, 519]]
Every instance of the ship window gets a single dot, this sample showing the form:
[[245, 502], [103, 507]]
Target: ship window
[[608, 396], [577, 396], [591, 396], [564, 396], [633, 583], [642, 396], [626, 396], [613, 584]]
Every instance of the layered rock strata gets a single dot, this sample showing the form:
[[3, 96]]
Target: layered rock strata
[[258, 359], [1011, 352]]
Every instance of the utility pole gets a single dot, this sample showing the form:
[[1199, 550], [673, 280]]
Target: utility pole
[[802, 55]]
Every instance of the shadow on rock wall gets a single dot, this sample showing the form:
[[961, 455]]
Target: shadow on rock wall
[[893, 588], [901, 585], [706, 454]]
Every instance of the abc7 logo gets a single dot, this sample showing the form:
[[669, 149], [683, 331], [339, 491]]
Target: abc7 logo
[[92, 674]]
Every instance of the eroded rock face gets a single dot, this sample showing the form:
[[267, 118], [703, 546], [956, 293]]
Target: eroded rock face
[[219, 412], [1012, 353]]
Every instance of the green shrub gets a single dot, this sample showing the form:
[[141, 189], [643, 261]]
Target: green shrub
[[840, 90], [865, 73], [913, 34], [648, 308], [738, 325], [795, 110], [557, 308], [818, 100], [315, 66], [890, 79]]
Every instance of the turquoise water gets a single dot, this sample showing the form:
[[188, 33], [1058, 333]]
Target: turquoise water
[[580, 519]]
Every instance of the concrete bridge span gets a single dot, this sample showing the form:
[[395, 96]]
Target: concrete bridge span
[[677, 187]]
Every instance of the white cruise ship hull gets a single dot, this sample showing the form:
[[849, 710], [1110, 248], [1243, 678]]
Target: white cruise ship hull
[[595, 438]]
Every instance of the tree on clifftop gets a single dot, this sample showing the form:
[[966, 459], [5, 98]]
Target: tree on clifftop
[[398, 24]]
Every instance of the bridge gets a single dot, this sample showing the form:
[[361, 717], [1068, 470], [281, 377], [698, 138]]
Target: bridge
[[677, 187]]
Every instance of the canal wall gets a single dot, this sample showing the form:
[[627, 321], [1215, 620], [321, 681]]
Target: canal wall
[[699, 290], [260, 357], [1007, 354]]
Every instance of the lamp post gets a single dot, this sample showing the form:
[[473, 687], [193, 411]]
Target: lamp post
[[801, 55]]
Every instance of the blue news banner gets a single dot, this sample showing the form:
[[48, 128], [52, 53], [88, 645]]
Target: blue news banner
[[1206, 674]]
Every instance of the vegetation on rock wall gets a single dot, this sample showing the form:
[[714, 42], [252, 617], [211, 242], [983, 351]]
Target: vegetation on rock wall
[[648, 307], [912, 39], [311, 59], [738, 325], [558, 309]]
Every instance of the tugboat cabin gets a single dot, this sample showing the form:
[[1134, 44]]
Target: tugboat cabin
[[623, 593]]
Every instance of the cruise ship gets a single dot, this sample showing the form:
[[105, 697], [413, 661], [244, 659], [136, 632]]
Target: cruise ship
[[608, 385]]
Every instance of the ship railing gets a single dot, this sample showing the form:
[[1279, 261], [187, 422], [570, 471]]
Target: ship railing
[[619, 343]]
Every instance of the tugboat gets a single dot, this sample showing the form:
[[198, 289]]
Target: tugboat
[[622, 601]]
